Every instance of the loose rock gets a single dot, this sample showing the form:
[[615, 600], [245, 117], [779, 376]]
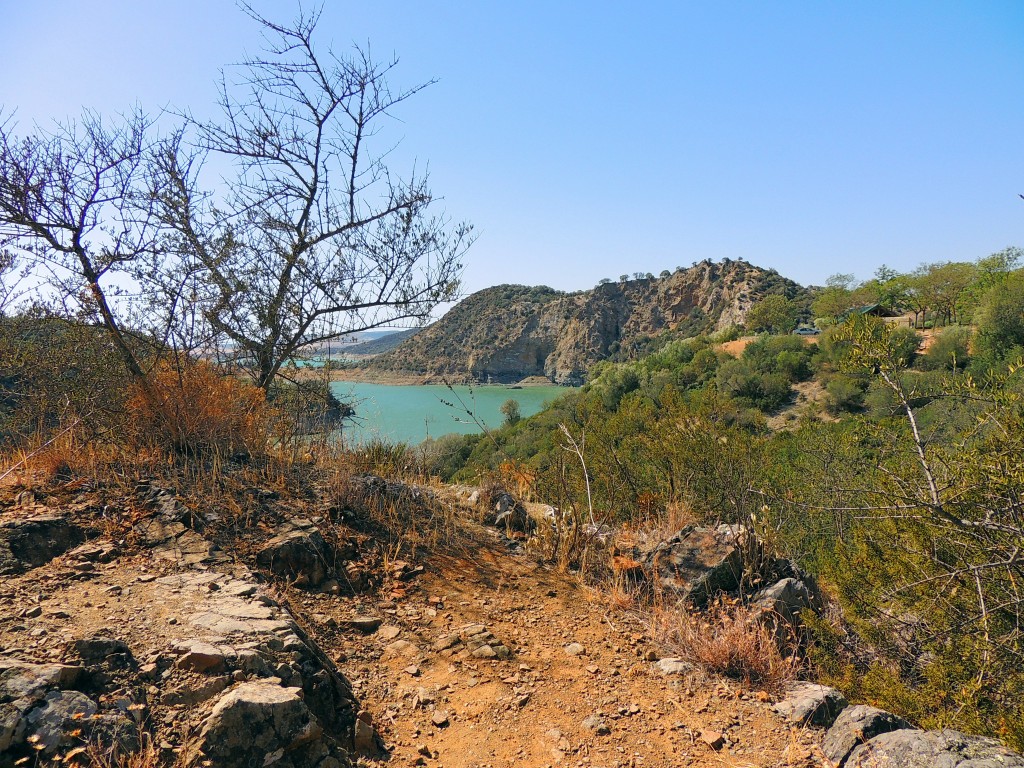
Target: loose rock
[[856, 725], [811, 704]]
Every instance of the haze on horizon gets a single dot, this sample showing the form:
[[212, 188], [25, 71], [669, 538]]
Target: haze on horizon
[[810, 138]]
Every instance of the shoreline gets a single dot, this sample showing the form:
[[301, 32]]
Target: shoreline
[[399, 378]]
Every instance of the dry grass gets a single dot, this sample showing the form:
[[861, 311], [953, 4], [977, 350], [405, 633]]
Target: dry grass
[[147, 756], [403, 516], [195, 407], [724, 639]]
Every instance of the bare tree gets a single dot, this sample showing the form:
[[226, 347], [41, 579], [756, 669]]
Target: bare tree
[[77, 203], [311, 236], [8, 278]]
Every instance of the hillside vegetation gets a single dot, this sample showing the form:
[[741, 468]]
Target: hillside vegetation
[[901, 484]]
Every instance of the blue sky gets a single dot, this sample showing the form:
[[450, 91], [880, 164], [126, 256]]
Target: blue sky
[[585, 140]]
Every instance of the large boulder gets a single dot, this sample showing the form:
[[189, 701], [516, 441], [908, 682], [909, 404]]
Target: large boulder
[[299, 555], [911, 748], [59, 720], [12, 725], [103, 650], [787, 598], [26, 544], [22, 686], [25, 680], [260, 724], [698, 563], [856, 725], [810, 704]]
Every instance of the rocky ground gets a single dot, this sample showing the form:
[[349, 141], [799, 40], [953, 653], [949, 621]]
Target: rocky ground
[[134, 630]]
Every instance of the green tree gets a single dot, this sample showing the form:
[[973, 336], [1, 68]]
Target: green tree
[[775, 314], [1000, 319], [832, 302], [510, 410], [935, 504]]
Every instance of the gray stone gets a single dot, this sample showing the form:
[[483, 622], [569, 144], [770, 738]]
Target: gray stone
[[57, 718], [446, 642], [365, 624], [252, 723], [912, 748], [596, 724], [811, 704], [100, 649], [698, 563], [12, 723], [301, 556], [575, 649], [856, 725], [787, 598], [29, 543], [252, 663], [24, 680], [673, 666], [506, 512]]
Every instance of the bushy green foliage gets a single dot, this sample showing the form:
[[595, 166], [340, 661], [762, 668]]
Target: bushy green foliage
[[845, 393], [510, 410], [774, 313], [787, 355], [1000, 320], [908, 507], [949, 351]]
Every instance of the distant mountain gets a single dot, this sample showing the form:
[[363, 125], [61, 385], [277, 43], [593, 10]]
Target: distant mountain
[[382, 343], [509, 332]]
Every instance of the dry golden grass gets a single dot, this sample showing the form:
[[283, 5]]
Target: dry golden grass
[[729, 640], [195, 407]]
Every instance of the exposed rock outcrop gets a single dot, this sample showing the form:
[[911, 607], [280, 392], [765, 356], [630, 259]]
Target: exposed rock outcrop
[[811, 704], [698, 563], [35, 541], [932, 749], [856, 725], [510, 332]]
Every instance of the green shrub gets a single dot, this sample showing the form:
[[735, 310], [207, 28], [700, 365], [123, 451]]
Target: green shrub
[[949, 351], [844, 394]]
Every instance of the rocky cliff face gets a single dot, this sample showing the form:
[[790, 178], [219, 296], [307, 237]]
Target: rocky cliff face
[[508, 332]]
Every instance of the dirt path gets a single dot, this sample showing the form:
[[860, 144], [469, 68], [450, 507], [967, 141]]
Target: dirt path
[[489, 661], [579, 688]]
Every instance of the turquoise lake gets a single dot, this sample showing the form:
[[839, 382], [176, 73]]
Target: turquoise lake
[[411, 413]]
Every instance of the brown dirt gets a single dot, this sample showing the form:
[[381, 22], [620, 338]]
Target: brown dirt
[[529, 711], [525, 711], [735, 348]]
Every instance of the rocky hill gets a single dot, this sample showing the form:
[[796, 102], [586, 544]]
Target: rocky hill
[[511, 332]]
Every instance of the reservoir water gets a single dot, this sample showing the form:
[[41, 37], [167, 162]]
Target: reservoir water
[[411, 413]]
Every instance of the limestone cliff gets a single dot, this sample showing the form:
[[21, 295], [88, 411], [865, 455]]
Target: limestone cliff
[[509, 332]]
